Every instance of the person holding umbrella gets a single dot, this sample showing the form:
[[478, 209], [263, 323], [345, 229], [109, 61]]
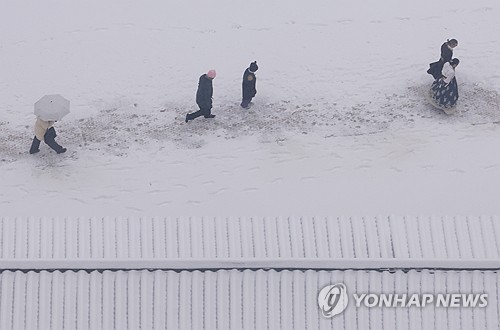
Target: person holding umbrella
[[45, 131], [48, 110]]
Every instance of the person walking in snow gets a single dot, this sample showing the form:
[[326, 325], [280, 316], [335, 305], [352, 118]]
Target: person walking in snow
[[446, 56], [248, 85], [444, 91], [204, 97], [45, 131]]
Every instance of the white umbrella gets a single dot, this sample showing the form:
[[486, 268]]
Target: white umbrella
[[52, 107]]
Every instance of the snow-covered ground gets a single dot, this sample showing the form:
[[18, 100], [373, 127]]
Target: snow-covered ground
[[340, 124]]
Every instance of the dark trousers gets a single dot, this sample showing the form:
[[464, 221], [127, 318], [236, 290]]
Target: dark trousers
[[49, 138], [206, 112]]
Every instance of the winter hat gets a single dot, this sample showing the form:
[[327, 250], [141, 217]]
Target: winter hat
[[211, 74], [453, 42], [253, 66], [455, 61]]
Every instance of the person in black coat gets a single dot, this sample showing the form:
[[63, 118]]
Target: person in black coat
[[204, 97], [248, 85], [446, 56]]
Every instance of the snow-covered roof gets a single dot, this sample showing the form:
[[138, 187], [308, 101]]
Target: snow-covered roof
[[232, 299], [242, 273], [216, 243]]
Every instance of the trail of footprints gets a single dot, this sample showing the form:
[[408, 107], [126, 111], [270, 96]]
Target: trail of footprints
[[117, 132]]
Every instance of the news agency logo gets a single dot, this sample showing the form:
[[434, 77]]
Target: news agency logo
[[333, 300]]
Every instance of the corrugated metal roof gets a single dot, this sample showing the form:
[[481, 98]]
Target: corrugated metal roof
[[232, 299], [294, 242]]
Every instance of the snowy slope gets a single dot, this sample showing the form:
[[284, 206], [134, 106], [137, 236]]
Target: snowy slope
[[340, 123]]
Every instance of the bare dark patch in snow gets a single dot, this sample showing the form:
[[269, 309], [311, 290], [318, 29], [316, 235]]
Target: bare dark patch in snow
[[117, 131]]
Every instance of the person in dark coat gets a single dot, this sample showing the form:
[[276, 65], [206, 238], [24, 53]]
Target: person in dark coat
[[204, 97], [248, 85], [446, 56], [444, 91], [44, 131]]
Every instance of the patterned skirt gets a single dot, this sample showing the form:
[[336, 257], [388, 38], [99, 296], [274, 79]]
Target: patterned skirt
[[445, 96]]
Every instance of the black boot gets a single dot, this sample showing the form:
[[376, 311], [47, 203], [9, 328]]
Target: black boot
[[49, 139], [35, 145]]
